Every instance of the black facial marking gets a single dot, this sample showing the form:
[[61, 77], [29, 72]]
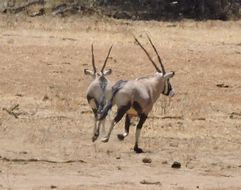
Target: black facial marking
[[167, 88]]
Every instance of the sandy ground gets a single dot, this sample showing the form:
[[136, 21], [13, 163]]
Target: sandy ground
[[46, 124]]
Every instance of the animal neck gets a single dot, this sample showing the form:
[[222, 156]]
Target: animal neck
[[157, 87]]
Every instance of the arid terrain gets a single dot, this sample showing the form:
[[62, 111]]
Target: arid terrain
[[46, 124]]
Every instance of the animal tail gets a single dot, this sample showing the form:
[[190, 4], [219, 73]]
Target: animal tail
[[102, 113]]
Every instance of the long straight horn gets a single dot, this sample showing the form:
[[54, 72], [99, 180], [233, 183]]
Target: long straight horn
[[159, 59], [147, 54], [93, 58], [106, 59]]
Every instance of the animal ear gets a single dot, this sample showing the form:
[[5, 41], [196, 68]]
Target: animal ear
[[107, 72], [88, 72], [169, 75]]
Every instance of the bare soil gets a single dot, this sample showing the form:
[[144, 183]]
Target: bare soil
[[46, 124]]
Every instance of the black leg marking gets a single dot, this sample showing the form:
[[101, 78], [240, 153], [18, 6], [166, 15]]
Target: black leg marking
[[95, 112], [121, 112], [96, 132], [142, 120], [89, 98], [127, 127], [127, 123], [95, 137], [137, 107]]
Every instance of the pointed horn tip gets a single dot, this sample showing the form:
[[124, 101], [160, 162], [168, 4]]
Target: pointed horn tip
[[111, 47], [135, 37], [103, 67], [93, 57], [160, 61], [147, 35]]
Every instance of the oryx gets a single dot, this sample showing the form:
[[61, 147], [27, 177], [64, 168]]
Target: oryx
[[98, 90], [137, 97]]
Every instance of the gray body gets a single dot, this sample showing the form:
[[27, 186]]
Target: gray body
[[137, 98], [144, 91], [97, 92]]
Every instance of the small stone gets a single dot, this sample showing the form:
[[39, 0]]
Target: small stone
[[53, 187], [146, 160], [165, 162], [23, 152], [45, 98], [176, 165], [174, 144], [222, 85], [19, 95], [118, 157]]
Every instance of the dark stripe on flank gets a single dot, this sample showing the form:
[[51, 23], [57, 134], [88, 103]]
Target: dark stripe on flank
[[117, 86]]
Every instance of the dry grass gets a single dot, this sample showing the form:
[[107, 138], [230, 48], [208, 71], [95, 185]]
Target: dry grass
[[42, 62]]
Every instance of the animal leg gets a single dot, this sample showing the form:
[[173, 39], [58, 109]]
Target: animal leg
[[103, 126], [94, 105], [127, 127], [96, 126], [120, 113], [142, 120]]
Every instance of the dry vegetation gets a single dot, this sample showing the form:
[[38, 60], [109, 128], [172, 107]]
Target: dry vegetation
[[46, 124]]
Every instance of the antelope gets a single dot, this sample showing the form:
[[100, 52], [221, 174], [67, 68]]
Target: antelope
[[137, 97], [98, 90]]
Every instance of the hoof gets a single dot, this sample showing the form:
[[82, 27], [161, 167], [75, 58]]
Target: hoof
[[95, 137], [138, 150], [120, 137], [105, 139]]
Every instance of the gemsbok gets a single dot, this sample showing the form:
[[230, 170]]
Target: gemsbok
[[137, 97], [97, 91]]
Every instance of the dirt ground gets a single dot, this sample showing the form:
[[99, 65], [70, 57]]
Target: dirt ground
[[46, 124]]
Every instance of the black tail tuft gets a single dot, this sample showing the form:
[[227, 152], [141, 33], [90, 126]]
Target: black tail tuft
[[103, 113]]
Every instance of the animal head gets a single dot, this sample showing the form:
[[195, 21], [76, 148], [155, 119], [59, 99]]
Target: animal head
[[161, 72], [102, 73]]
